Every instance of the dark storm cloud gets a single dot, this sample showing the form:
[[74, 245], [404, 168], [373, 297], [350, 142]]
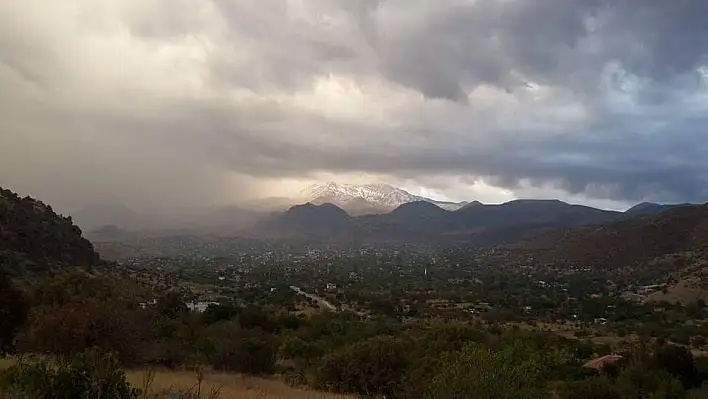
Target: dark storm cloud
[[568, 42], [600, 98]]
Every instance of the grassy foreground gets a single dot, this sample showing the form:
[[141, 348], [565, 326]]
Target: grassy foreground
[[228, 386]]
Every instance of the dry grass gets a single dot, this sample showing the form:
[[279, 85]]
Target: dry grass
[[228, 386], [5, 363], [684, 292]]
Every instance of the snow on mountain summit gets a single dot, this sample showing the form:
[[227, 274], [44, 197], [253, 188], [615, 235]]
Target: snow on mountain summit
[[377, 194]]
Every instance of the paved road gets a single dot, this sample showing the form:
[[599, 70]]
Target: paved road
[[323, 302]]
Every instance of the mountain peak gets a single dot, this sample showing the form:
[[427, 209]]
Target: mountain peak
[[373, 197]]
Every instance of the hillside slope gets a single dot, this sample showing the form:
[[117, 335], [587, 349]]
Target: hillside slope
[[34, 239], [627, 242]]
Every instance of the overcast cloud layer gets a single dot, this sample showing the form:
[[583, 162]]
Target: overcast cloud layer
[[181, 102]]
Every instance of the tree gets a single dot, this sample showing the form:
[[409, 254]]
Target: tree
[[374, 366], [293, 347], [217, 313], [229, 347], [641, 380], [678, 362], [72, 328], [13, 311], [478, 371], [590, 388], [172, 305]]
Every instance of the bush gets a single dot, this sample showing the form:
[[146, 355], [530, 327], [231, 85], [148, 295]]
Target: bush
[[93, 374], [292, 347], [591, 388], [641, 380], [478, 371], [678, 362], [371, 367], [72, 328], [231, 348]]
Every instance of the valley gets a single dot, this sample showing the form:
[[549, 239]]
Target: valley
[[289, 312]]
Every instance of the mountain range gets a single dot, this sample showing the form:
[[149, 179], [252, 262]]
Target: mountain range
[[473, 223], [366, 212]]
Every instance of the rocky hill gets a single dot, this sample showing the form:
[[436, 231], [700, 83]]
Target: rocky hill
[[34, 239]]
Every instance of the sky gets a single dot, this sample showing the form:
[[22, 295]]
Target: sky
[[156, 103]]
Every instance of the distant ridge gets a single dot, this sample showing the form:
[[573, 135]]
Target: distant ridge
[[474, 224]]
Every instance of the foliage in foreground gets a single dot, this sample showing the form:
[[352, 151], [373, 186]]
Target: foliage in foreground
[[478, 371], [333, 351], [93, 374]]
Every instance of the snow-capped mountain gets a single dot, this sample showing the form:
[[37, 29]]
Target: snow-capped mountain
[[367, 198]]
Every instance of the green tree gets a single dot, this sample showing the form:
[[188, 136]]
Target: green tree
[[374, 366], [229, 347], [640, 380], [590, 388], [293, 347], [478, 371]]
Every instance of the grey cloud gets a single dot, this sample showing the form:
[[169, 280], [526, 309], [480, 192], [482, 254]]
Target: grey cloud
[[619, 113], [458, 47]]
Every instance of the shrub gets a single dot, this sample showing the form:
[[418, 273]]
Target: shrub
[[590, 388], [231, 348], [93, 374], [370, 367], [72, 328], [478, 371]]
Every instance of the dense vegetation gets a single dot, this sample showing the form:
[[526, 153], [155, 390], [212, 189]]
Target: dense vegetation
[[330, 351]]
